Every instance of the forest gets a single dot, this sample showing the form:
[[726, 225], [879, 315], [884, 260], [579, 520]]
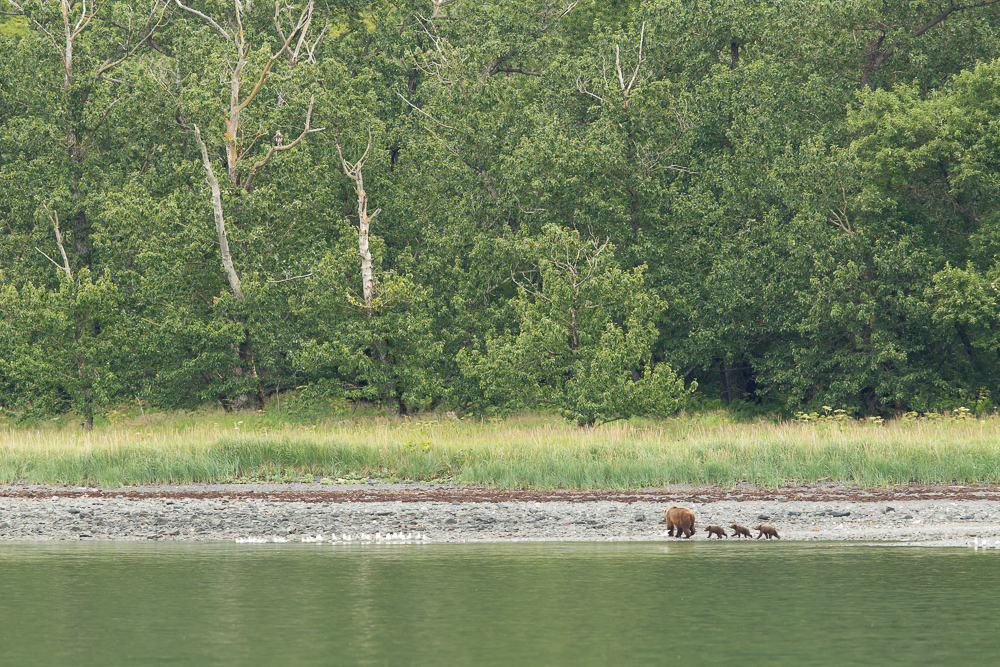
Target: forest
[[603, 208]]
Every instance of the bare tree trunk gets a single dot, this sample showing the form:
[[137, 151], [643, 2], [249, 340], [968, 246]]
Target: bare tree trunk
[[54, 219], [353, 171], [736, 379], [367, 277], [88, 415], [220, 222], [248, 369]]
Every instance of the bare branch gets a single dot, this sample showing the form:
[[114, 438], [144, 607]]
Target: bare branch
[[638, 63], [626, 88], [444, 60], [618, 67], [354, 170], [302, 29], [204, 18], [583, 89], [97, 126], [85, 17], [302, 34], [220, 223], [277, 17], [311, 48], [304, 19], [285, 280], [54, 219], [839, 215], [111, 63], [566, 11], [54, 262], [306, 130], [419, 110]]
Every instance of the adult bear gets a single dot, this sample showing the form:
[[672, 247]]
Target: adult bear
[[681, 519]]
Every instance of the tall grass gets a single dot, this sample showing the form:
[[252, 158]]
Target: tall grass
[[530, 451]]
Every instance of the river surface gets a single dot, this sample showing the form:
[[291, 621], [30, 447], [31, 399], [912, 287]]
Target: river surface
[[524, 604]]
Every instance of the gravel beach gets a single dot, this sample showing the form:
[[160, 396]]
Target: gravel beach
[[924, 515]]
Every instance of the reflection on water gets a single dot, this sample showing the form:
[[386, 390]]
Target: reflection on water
[[545, 604]]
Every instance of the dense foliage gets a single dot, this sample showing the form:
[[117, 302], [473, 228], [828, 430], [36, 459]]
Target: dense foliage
[[489, 206]]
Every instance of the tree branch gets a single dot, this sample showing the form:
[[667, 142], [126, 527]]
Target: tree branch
[[303, 23], [517, 70], [285, 280], [421, 111], [203, 17], [54, 219], [274, 148], [876, 58], [220, 223], [110, 63]]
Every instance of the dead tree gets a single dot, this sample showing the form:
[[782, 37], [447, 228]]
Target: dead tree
[[353, 171], [238, 102], [243, 89]]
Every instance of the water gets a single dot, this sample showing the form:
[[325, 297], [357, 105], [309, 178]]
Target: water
[[543, 604]]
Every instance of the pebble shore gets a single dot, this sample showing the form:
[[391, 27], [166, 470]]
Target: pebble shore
[[55, 514]]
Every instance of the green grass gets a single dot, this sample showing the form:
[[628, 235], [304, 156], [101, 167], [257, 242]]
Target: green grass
[[534, 451]]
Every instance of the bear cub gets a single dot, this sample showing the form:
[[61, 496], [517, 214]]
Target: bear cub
[[740, 531], [718, 531], [768, 531]]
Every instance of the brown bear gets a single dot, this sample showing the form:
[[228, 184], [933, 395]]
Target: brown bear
[[766, 530], [718, 531], [681, 519], [740, 531]]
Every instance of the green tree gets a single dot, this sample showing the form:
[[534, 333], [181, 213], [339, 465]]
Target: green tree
[[66, 348], [583, 340]]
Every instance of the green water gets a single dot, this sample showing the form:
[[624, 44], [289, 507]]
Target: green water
[[544, 604]]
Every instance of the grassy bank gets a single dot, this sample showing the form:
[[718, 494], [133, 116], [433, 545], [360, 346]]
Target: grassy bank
[[531, 451]]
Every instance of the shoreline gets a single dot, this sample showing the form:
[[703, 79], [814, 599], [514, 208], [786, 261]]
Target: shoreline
[[927, 515]]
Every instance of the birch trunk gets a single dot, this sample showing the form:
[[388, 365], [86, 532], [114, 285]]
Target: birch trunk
[[367, 277], [220, 222], [353, 171]]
